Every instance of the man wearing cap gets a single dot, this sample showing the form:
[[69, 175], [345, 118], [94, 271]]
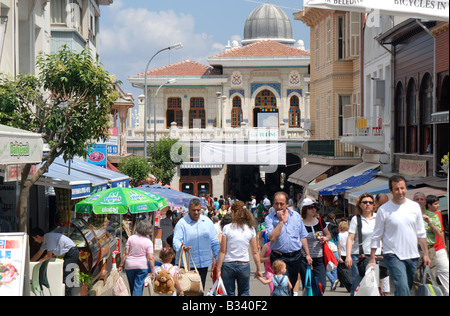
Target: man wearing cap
[[287, 236]]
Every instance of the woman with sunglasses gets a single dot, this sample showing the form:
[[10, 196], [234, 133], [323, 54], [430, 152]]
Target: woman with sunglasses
[[364, 209]]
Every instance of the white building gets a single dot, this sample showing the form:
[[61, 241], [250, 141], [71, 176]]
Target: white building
[[29, 27], [254, 96]]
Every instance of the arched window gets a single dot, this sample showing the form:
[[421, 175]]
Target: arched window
[[265, 113], [412, 117], [174, 112], [426, 109], [236, 112], [265, 99], [197, 115], [294, 112], [400, 126]]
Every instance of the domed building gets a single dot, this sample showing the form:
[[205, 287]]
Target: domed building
[[242, 116], [268, 22]]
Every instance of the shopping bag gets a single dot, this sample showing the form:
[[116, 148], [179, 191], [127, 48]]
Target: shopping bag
[[426, 289], [345, 276], [308, 291], [190, 281], [369, 284], [119, 288], [218, 289]]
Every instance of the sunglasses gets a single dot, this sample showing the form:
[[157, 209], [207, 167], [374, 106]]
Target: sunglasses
[[367, 202], [310, 207]]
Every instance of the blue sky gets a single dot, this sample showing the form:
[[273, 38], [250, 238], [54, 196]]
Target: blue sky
[[131, 31]]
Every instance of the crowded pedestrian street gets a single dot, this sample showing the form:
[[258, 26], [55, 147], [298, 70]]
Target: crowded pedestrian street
[[246, 149]]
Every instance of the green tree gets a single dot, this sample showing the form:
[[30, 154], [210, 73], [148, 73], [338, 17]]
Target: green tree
[[68, 102], [137, 168], [165, 155]]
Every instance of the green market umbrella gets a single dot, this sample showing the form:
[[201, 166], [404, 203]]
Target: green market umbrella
[[119, 201]]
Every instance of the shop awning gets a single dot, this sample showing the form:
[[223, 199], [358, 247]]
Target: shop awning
[[349, 183], [308, 173], [315, 189], [377, 185], [112, 178], [79, 187], [19, 146]]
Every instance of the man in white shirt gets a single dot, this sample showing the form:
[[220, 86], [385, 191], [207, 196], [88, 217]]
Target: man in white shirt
[[400, 224]]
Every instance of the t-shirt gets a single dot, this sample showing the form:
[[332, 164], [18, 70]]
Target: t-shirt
[[314, 245], [439, 243], [59, 244], [434, 219], [400, 225], [367, 230], [139, 246], [238, 240]]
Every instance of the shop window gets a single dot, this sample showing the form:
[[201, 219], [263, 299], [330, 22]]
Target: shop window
[[197, 115], [400, 126], [426, 107], [236, 112], [412, 117], [174, 112], [294, 112]]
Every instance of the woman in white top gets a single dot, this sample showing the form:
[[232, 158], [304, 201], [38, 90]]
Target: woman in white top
[[365, 209], [233, 263]]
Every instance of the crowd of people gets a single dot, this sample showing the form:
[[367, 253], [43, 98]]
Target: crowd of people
[[398, 235]]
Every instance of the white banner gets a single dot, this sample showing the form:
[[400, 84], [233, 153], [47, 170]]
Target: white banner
[[418, 9], [269, 154], [19, 147]]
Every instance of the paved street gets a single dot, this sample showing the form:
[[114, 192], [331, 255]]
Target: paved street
[[256, 287]]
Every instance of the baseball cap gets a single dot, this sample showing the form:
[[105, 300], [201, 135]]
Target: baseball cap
[[307, 202]]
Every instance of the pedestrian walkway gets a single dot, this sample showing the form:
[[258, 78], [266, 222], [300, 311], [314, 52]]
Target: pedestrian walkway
[[256, 287]]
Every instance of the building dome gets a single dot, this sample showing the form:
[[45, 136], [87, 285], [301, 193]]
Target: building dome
[[268, 22]]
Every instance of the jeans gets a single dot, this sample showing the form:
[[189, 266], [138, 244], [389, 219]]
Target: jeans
[[356, 277], [402, 273], [332, 276], [318, 270], [136, 279], [236, 272]]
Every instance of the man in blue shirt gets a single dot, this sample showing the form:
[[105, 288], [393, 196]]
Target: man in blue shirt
[[287, 235], [197, 234]]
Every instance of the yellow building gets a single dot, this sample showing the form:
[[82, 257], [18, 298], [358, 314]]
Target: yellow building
[[335, 69]]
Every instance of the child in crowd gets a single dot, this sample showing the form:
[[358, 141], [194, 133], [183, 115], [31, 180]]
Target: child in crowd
[[281, 284], [166, 255]]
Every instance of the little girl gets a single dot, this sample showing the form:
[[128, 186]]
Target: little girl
[[166, 255], [281, 283]]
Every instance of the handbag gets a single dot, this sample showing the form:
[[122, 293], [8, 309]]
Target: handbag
[[190, 281], [328, 255], [368, 285], [363, 260], [426, 289], [119, 288], [308, 291], [218, 288]]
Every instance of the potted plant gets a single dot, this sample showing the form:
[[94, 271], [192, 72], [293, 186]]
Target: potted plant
[[86, 283]]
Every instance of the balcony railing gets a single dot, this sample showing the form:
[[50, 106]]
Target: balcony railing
[[362, 126], [210, 133]]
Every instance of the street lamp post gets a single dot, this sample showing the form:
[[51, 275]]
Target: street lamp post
[[175, 46]]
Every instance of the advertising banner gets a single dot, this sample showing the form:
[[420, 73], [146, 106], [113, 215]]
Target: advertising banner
[[13, 247], [418, 9]]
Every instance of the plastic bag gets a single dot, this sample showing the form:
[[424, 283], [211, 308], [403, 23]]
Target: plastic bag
[[120, 289], [218, 289], [369, 284]]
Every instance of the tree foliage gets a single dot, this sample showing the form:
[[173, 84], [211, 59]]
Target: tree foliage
[[137, 168], [68, 102], [165, 155]]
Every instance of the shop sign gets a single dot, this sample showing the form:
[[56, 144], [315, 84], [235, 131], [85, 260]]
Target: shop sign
[[80, 191], [97, 155], [14, 172], [13, 249], [413, 168]]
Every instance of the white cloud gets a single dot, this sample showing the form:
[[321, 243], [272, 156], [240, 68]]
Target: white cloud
[[133, 35]]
